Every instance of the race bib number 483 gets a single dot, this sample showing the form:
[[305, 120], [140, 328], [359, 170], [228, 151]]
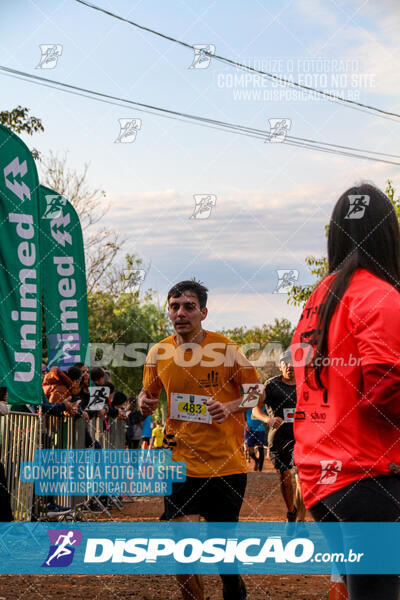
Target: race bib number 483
[[189, 407]]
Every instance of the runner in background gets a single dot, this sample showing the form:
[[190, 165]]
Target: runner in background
[[346, 351], [254, 436], [146, 432], [204, 427], [280, 400], [157, 436]]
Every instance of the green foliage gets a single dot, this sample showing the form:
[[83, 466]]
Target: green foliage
[[121, 317], [18, 121], [280, 331], [389, 191], [298, 295]]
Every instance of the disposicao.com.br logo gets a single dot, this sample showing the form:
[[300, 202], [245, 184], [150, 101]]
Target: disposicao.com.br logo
[[191, 550], [210, 548]]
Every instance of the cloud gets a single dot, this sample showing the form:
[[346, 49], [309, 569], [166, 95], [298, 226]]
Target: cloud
[[365, 31], [229, 310]]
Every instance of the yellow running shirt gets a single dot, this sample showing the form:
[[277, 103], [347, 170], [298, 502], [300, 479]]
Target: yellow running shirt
[[158, 435], [190, 373]]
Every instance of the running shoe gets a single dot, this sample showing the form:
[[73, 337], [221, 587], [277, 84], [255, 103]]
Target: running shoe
[[55, 510], [291, 515]]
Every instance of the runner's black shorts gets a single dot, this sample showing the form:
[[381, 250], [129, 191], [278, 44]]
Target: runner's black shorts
[[214, 498], [282, 456], [254, 438]]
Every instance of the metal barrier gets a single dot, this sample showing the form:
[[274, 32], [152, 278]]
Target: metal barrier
[[19, 440], [23, 433]]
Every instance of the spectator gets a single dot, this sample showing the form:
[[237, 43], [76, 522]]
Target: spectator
[[100, 379], [117, 406], [59, 385], [98, 375], [134, 422], [84, 394], [351, 325]]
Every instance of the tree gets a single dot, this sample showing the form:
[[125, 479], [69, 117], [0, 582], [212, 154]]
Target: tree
[[123, 327], [298, 295], [263, 345], [280, 331], [18, 121], [102, 244]]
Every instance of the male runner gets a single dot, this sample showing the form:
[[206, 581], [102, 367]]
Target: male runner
[[280, 399], [157, 436], [254, 437], [202, 373]]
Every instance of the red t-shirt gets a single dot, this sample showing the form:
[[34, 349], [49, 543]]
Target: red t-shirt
[[350, 430]]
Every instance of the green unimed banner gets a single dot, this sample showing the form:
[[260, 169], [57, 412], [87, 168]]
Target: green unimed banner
[[64, 280], [20, 293]]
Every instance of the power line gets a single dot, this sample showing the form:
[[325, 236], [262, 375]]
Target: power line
[[320, 146], [332, 97]]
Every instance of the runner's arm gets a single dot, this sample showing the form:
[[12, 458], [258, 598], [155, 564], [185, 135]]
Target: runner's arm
[[149, 395], [220, 411], [259, 414]]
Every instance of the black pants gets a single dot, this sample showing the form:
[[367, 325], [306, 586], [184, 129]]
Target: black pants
[[5, 504], [373, 499]]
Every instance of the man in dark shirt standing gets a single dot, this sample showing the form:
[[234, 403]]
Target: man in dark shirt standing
[[280, 400]]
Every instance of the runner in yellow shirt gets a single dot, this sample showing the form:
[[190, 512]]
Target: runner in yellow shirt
[[203, 374], [157, 436]]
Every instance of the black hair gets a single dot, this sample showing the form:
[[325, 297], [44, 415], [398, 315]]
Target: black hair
[[79, 364], [119, 398], [3, 392], [97, 373], [190, 285], [74, 373], [371, 242]]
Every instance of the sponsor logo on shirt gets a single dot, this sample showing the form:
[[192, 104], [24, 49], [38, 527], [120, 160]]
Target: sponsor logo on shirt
[[318, 417], [210, 381], [329, 471]]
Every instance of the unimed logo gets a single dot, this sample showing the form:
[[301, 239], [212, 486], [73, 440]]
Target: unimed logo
[[190, 550], [62, 547]]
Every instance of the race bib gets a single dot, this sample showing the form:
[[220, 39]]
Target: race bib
[[189, 407], [289, 414]]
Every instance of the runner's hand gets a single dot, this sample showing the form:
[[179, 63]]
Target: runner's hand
[[68, 405], [217, 410], [71, 408], [147, 403], [275, 422]]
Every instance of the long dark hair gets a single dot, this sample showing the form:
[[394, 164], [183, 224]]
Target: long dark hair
[[363, 233]]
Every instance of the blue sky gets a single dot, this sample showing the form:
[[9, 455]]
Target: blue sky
[[272, 200]]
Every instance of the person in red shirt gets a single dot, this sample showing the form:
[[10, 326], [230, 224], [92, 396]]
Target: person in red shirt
[[346, 356]]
